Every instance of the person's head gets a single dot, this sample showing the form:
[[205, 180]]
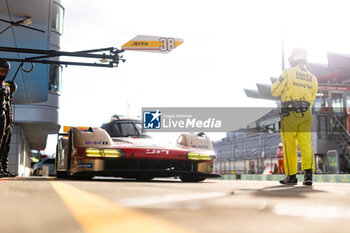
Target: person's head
[[297, 57], [280, 145], [12, 85], [4, 69]]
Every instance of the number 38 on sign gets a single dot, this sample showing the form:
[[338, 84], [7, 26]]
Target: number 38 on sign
[[152, 44]]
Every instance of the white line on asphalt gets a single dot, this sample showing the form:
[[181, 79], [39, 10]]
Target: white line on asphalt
[[264, 190], [170, 198], [173, 198], [277, 188], [312, 211]]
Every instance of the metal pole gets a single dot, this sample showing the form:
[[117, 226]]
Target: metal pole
[[283, 66]]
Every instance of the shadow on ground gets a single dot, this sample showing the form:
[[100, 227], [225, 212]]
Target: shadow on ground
[[283, 191]]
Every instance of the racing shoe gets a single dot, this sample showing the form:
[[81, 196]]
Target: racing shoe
[[6, 173], [290, 180], [307, 177]]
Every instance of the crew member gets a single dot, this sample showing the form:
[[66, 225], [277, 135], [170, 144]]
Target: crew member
[[4, 98], [297, 88], [280, 162], [5, 147]]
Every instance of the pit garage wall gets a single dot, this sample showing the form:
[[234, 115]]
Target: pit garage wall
[[19, 157]]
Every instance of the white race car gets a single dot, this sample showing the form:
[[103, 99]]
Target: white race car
[[119, 149]]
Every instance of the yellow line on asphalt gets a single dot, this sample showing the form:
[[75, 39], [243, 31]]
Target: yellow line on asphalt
[[99, 215]]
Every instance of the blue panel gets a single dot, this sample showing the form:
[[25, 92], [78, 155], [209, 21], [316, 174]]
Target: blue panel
[[33, 86]]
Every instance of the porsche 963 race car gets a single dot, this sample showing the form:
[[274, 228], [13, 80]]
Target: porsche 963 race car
[[120, 149]]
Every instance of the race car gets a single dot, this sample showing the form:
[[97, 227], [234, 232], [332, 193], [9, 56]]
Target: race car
[[120, 149]]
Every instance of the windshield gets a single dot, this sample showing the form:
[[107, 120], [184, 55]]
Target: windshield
[[123, 128]]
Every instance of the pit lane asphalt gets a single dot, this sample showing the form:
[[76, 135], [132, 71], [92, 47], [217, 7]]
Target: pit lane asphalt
[[40, 204]]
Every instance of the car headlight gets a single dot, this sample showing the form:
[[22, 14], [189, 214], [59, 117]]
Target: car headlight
[[91, 152], [113, 153], [110, 153], [199, 156]]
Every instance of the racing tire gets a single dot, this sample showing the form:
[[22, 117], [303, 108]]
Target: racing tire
[[69, 155], [81, 177], [59, 174], [192, 178]]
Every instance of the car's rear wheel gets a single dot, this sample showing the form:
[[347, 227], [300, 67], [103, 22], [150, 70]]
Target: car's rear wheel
[[192, 178], [69, 155]]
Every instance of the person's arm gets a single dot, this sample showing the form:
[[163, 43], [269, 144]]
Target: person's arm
[[278, 86], [315, 88]]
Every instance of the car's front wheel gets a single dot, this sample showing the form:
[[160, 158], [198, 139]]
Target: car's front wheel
[[81, 177], [61, 175]]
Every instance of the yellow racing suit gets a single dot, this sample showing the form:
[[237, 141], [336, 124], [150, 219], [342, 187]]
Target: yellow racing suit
[[296, 84]]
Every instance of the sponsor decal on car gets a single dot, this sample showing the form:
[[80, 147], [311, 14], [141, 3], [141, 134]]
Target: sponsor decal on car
[[157, 151], [201, 146], [85, 165], [96, 143]]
